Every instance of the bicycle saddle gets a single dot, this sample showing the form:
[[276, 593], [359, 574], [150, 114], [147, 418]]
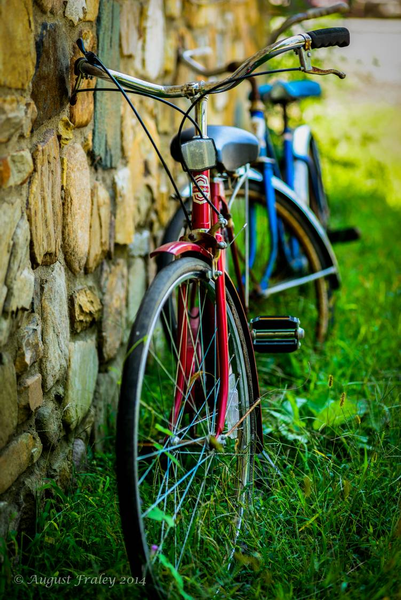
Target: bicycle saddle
[[235, 147], [290, 91]]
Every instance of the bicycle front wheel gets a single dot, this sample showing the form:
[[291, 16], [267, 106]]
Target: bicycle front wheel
[[182, 491]]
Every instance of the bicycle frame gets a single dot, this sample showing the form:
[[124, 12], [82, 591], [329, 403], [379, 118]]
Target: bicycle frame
[[203, 219], [270, 169]]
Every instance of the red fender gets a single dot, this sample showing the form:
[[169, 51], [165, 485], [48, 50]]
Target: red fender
[[178, 248]]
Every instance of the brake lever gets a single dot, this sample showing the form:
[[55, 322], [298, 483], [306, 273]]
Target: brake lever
[[304, 55], [316, 71]]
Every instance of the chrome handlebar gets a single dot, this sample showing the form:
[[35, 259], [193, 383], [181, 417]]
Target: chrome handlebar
[[300, 42]]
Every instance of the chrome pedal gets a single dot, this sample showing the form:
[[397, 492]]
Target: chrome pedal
[[276, 334]]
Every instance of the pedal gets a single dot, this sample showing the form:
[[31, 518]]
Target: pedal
[[339, 236], [276, 334]]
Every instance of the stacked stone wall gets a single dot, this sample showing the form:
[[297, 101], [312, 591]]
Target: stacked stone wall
[[83, 200]]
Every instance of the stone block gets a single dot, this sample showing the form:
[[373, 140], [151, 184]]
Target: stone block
[[150, 161], [79, 454], [75, 10], [131, 130], [114, 309], [8, 518], [9, 217], [30, 347], [8, 399], [106, 401], [144, 203], [30, 396], [50, 6], [65, 131], [130, 27], [170, 54], [16, 168], [17, 457], [20, 279], [77, 209], [137, 284], [6, 322], [60, 467], [107, 119], [12, 114], [154, 38], [173, 8], [55, 325], [44, 202], [5, 171], [48, 424], [31, 113], [125, 207], [82, 112], [86, 425], [81, 381], [50, 84], [100, 222], [92, 9], [137, 163], [17, 44], [85, 308], [141, 244]]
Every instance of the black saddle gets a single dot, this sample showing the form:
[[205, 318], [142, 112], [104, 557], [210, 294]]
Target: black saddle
[[235, 147]]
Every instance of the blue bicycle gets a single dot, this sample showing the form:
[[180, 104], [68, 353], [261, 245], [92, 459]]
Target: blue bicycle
[[282, 258]]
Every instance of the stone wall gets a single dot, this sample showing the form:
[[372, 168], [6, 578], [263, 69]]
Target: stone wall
[[83, 199]]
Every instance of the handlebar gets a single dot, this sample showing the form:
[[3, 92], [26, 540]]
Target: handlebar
[[87, 66]]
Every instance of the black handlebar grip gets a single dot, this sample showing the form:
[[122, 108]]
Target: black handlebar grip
[[332, 36]]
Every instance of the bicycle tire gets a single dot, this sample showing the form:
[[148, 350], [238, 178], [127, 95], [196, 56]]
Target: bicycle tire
[[317, 197], [228, 470], [313, 305]]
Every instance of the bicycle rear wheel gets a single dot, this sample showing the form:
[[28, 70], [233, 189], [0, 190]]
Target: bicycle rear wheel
[[182, 492], [310, 300]]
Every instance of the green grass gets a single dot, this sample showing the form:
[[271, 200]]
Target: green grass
[[327, 526]]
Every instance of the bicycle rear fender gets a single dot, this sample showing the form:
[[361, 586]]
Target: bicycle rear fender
[[301, 141], [309, 223]]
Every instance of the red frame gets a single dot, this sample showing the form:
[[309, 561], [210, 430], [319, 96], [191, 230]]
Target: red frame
[[204, 218]]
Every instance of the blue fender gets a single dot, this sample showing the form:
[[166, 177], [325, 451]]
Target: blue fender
[[301, 141]]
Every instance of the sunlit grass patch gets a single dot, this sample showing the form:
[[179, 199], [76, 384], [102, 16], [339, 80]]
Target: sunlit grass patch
[[324, 517]]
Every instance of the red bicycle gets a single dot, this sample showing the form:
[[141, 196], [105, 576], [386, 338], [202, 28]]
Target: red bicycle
[[189, 420]]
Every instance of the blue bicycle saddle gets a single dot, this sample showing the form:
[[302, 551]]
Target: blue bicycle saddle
[[235, 147], [289, 91]]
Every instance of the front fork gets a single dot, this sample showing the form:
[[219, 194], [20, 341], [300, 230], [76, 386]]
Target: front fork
[[187, 334]]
